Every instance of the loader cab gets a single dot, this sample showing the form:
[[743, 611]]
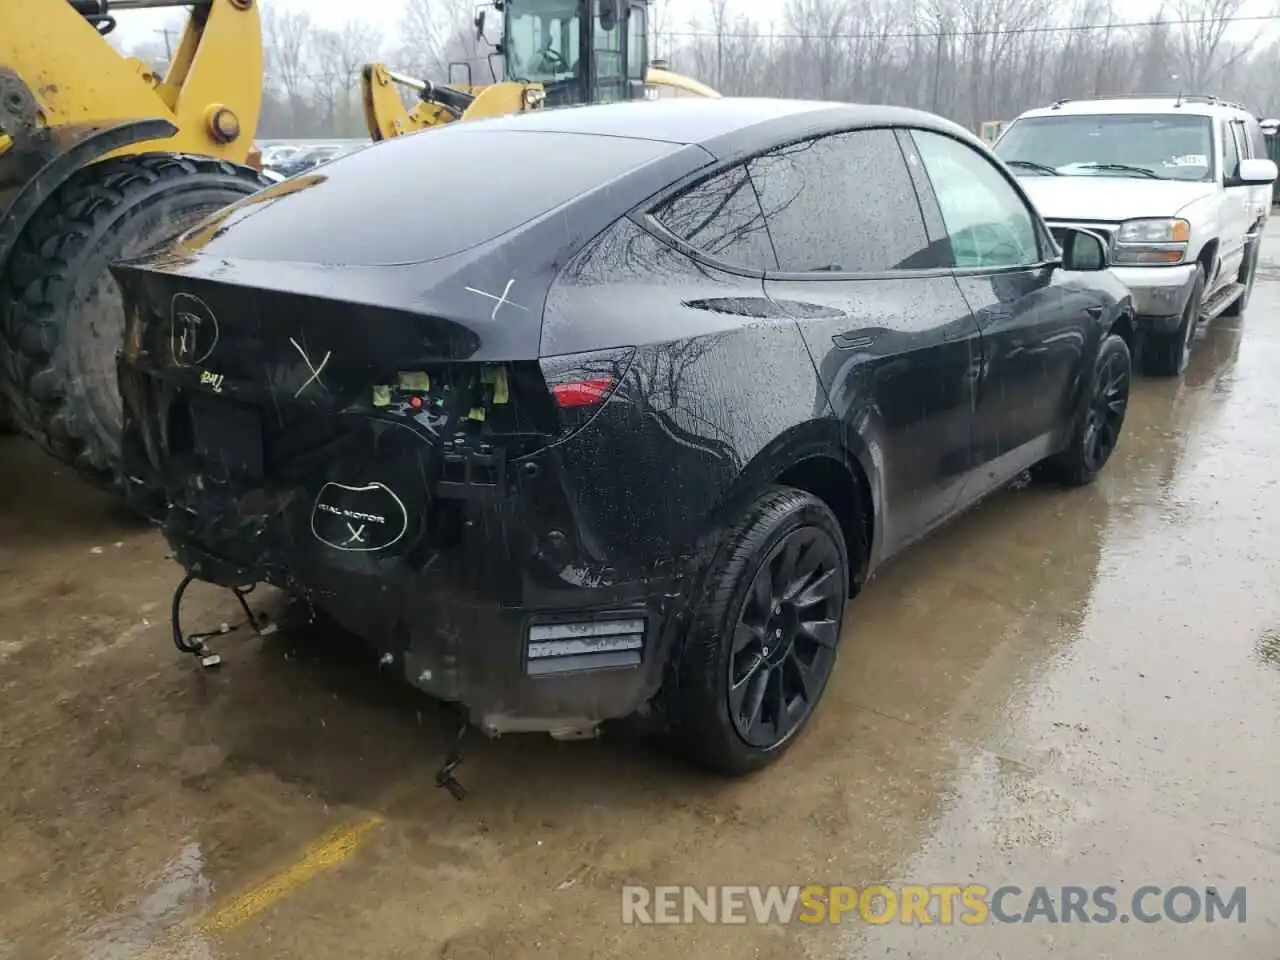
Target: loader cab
[[581, 51]]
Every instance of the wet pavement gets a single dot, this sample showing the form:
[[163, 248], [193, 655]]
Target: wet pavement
[[1061, 688]]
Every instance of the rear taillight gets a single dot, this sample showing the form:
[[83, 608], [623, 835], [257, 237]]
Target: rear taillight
[[581, 383], [583, 393]]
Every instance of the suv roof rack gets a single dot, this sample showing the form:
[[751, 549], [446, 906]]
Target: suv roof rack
[[1179, 98]]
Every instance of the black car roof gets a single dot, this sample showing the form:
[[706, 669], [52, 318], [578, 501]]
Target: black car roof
[[721, 125]]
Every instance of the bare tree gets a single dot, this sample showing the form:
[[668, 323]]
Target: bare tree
[[288, 38], [970, 60], [343, 53], [1205, 24]]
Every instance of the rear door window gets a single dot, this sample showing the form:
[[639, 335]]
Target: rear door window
[[722, 218], [842, 204], [424, 196]]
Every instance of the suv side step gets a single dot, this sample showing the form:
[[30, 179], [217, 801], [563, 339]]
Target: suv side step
[[1228, 295]]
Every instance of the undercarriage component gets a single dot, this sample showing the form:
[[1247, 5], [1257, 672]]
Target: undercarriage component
[[196, 644], [444, 776]]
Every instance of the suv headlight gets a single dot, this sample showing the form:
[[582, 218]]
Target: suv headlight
[[1152, 241]]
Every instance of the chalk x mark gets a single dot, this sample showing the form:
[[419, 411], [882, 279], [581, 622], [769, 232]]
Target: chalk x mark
[[357, 534], [502, 301], [315, 371]]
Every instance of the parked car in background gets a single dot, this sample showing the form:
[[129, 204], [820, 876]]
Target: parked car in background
[[626, 434], [278, 153], [308, 158], [1181, 188]]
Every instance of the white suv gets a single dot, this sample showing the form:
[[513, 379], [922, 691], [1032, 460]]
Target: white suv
[[1180, 189]]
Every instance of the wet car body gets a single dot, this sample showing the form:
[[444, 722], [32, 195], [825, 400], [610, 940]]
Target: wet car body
[[509, 445]]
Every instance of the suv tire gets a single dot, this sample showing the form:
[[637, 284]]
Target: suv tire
[[1166, 354]]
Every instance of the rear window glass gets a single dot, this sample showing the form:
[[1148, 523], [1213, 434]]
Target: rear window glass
[[423, 196]]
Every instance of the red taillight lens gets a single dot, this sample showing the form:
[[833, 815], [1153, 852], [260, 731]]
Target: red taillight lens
[[581, 383], [582, 393]]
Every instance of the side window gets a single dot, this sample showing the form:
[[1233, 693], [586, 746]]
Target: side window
[[987, 222], [1230, 151], [1257, 141], [722, 218], [1242, 139], [637, 43], [607, 53], [842, 204]]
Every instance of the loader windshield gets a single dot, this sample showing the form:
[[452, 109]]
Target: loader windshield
[[543, 40]]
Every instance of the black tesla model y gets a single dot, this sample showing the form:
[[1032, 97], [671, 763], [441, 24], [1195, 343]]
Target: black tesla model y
[[585, 413]]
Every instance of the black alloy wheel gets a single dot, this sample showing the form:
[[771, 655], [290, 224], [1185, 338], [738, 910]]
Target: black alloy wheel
[[763, 638], [785, 639], [1106, 411], [1099, 420]]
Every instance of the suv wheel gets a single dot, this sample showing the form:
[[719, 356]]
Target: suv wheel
[[1166, 354], [763, 639]]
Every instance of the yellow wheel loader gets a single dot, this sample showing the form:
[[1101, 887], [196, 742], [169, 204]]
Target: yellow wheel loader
[[554, 53], [101, 158]]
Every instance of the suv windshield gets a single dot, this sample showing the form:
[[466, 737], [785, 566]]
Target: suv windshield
[[1142, 146]]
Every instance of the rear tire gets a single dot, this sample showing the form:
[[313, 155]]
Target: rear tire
[[734, 672], [1167, 354], [1099, 422], [61, 318]]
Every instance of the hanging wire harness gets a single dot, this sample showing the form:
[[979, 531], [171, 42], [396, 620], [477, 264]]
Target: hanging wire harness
[[195, 643]]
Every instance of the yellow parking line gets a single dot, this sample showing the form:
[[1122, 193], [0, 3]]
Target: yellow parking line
[[323, 854]]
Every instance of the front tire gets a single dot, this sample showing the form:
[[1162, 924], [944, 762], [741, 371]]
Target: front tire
[[1167, 354], [1098, 424], [61, 318], [762, 643]]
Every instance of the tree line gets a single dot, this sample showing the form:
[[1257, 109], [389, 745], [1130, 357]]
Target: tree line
[[970, 60]]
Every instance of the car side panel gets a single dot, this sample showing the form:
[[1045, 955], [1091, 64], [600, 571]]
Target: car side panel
[[1038, 327], [1037, 330], [719, 373], [898, 358]]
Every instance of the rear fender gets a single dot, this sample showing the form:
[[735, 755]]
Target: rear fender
[[35, 166], [819, 437]]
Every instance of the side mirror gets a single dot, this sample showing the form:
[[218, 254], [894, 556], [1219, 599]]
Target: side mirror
[[1083, 252], [611, 11], [1254, 172]]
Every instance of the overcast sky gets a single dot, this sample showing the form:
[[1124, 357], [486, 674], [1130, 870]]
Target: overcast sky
[[136, 26]]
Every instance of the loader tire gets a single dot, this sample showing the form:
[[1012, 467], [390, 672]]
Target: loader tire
[[61, 319]]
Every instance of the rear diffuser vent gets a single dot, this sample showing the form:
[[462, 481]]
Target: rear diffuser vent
[[591, 645]]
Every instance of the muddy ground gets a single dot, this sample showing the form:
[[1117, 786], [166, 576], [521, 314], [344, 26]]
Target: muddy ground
[[1064, 687]]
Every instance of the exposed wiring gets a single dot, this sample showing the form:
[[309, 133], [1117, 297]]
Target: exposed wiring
[[195, 643]]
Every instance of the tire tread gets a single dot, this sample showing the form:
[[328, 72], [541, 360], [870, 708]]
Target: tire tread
[[40, 278]]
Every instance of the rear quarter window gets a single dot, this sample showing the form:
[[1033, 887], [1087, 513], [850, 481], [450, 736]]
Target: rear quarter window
[[424, 196], [721, 217]]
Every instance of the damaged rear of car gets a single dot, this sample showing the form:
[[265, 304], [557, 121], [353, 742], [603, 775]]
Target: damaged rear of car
[[341, 392]]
